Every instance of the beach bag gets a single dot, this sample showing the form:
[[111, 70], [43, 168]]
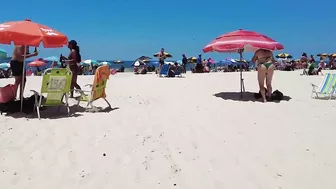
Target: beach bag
[[277, 95], [8, 93]]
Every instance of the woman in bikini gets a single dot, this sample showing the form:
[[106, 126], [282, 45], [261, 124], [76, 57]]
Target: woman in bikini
[[73, 60], [265, 64]]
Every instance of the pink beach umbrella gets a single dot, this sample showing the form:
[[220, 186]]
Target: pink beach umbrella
[[242, 41]]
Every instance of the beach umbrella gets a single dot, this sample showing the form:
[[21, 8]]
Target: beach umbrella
[[228, 61], [284, 55], [104, 63], [243, 61], [118, 61], [323, 54], [28, 33], [89, 62], [242, 41], [51, 59], [3, 54], [168, 55], [333, 55], [37, 63], [4, 66], [144, 58], [192, 59]]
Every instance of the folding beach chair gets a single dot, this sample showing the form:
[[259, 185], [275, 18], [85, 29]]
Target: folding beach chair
[[97, 91], [56, 85], [326, 88]]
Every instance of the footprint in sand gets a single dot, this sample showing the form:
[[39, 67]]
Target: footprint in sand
[[195, 145], [16, 178], [146, 162], [85, 178], [145, 139], [175, 169]]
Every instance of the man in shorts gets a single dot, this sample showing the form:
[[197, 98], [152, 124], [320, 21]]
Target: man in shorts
[[17, 64], [162, 57]]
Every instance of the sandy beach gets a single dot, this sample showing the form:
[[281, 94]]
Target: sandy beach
[[187, 133]]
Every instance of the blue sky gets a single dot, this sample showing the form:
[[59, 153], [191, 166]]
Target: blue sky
[[127, 29]]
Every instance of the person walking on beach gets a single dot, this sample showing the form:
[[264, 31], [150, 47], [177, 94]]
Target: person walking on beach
[[162, 57], [184, 63], [17, 64], [73, 60], [265, 63]]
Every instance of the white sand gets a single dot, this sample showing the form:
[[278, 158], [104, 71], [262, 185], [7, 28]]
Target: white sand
[[170, 132]]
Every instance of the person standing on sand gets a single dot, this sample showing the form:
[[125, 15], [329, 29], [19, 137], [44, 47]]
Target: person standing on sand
[[265, 63], [184, 63], [312, 59], [199, 59], [73, 60], [17, 64], [199, 64], [162, 57], [304, 60]]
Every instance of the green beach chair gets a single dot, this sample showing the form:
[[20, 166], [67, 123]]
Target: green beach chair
[[97, 91], [326, 88], [56, 86]]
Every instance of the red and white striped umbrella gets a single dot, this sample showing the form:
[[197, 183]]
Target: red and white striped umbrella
[[235, 41]]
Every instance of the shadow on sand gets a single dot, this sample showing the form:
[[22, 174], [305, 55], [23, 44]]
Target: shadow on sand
[[53, 113], [247, 96]]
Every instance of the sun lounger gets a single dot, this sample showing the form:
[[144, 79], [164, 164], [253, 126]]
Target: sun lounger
[[326, 88], [97, 91], [56, 86]]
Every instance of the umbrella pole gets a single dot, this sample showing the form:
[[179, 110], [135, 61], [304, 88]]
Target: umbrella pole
[[242, 86], [23, 77]]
